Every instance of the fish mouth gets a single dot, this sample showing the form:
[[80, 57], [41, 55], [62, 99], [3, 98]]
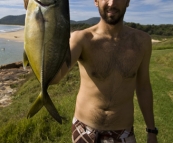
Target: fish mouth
[[46, 4]]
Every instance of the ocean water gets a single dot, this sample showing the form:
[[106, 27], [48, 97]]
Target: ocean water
[[10, 51], [9, 28]]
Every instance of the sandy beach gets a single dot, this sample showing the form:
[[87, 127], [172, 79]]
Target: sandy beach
[[155, 41], [17, 36]]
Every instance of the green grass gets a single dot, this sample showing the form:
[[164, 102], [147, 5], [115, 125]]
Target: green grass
[[161, 74], [164, 44], [42, 128]]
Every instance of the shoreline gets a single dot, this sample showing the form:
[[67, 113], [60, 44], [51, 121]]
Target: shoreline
[[17, 36]]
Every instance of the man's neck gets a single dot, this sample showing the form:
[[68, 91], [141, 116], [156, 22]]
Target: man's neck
[[114, 31]]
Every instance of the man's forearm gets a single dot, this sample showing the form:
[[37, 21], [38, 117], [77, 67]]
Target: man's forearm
[[60, 74], [145, 100]]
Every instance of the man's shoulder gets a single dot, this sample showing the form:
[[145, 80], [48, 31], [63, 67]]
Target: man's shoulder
[[141, 38], [141, 35], [83, 35], [83, 32], [77, 37]]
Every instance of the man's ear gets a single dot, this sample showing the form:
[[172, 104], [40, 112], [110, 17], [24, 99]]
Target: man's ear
[[26, 3], [96, 2]]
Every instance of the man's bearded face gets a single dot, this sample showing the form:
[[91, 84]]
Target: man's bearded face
[[111, 15]]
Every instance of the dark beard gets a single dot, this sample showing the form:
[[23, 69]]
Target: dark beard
[[111, 20]]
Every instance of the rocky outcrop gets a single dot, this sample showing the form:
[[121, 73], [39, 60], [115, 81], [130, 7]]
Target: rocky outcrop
[[10, 76], [12, 65]]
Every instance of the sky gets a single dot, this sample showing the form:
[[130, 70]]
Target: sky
[[139, 11]]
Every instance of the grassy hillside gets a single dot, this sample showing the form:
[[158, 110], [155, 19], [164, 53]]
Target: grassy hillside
[[161, 73], [166, 43], [15, 128]]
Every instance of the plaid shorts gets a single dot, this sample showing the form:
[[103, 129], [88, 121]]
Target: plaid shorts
[[81, 133]]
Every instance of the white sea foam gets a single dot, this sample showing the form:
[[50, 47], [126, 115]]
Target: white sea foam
[[10, 28]]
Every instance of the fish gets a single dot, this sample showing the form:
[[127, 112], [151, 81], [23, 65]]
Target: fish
[[46, 46]]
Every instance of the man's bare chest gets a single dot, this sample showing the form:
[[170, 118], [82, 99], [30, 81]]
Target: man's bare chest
[[105, 58]]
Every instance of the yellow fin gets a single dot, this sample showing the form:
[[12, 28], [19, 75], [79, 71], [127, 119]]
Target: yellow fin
[[38, 104], [25, 60]]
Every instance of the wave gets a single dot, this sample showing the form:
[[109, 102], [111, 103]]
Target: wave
[[9, 28]]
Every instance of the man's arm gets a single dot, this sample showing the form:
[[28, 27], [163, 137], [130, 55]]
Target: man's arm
[[76, 44], [144, 89]]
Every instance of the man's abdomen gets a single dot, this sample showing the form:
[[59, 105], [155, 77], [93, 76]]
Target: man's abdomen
[[91, 112]]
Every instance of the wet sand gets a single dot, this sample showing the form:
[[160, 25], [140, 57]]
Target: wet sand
[[17, 36]]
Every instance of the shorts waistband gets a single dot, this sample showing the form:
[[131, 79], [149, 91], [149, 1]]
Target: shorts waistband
[[118, 135]]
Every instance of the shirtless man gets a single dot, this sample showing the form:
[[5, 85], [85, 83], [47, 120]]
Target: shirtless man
[[113, 61]]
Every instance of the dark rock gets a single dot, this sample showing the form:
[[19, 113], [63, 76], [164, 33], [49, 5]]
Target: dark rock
[[12, 65]]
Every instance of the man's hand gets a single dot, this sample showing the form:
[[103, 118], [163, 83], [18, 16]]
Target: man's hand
[[151, 138], [26, 3]]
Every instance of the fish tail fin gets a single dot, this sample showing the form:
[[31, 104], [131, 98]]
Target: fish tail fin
[[38, 104], [51, 109]]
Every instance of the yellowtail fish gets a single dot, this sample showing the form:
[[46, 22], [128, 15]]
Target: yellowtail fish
[[46, 46]]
